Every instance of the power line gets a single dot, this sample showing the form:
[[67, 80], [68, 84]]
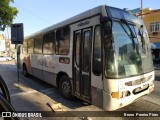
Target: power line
[[35, 15]]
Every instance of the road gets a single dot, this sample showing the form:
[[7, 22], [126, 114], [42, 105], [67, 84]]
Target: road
[[31, 94]]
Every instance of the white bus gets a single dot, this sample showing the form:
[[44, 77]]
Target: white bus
[[102, 56]]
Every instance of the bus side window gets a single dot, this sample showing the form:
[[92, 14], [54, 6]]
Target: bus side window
[[63, 41], [97, 51], [49, 43], [24, 47], [38, 44], [30, 46]]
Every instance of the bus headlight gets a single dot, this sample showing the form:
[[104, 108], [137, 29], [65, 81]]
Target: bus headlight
[[120, 94]]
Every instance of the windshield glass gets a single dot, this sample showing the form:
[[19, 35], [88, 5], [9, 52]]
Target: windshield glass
[[130, 54]]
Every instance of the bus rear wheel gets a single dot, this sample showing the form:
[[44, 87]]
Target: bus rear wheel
[[65, 87], [25, 70]]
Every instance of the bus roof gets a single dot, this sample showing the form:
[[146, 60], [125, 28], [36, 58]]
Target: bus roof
[[81, 16]]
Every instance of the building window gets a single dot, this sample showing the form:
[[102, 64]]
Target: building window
[[155, 27]]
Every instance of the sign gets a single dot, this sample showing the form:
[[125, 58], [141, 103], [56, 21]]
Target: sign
[[17, 36]]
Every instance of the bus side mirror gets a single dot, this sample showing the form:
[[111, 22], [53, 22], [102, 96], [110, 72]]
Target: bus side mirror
[[106, 25]]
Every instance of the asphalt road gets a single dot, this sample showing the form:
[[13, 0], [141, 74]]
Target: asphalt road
[[32, 94]]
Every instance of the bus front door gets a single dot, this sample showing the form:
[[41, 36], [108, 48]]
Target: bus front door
[[82, 64]]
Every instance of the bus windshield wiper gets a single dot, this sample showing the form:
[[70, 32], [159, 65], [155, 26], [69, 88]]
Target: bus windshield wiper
[[132, 35]]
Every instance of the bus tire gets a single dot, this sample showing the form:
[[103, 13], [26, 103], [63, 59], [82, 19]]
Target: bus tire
[[65, 87], [25, 70]]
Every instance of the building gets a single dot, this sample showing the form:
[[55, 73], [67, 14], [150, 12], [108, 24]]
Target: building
[[152, 22], [151, 19], [6, 48]]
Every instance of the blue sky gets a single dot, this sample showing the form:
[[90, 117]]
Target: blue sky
[[39, 14]]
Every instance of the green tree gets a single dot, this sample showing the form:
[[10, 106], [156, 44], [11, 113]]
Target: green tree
[[7, 13]]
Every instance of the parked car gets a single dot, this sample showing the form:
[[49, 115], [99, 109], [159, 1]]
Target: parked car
[[5, 58]]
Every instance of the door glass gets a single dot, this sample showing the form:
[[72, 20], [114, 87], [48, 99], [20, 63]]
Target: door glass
[[77, 61], [78, 38], [86, 85], [86, 51], [97, 51]]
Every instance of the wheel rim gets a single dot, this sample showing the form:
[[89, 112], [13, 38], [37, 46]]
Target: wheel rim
[[66, 87]]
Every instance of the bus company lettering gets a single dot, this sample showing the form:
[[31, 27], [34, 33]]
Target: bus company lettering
[[46, 63], [83, 23]]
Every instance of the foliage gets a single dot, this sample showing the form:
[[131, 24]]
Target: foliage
[[7, 13]]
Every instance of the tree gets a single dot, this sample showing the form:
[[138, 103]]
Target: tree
[[7, 13]]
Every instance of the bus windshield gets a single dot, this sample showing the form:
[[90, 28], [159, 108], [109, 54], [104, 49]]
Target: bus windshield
[[130, 54]]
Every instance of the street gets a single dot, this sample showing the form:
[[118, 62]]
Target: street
[[32, 94]]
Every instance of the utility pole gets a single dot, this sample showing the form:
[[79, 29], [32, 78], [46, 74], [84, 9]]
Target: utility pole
[[141, 8]]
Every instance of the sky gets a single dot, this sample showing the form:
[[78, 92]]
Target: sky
[[39, 14]]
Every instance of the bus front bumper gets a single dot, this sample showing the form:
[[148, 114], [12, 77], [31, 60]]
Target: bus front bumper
[[111, 104]]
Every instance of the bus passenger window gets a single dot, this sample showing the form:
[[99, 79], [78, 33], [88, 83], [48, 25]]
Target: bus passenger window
[[24, 47], [97, 51], [30, 45], [49, 43], [63, 41], [38, 44]]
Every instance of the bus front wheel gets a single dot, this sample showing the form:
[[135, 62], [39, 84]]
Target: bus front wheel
[[65, 87]]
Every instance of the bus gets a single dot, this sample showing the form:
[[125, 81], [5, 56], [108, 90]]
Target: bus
[[102, 56]]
